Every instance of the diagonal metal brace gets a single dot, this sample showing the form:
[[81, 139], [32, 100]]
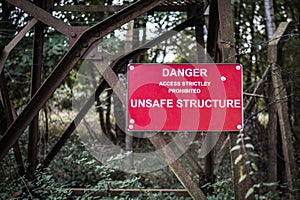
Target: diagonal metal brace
[[7, 49]]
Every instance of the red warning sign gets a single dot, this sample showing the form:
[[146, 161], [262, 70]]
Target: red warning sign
[[185, 97]]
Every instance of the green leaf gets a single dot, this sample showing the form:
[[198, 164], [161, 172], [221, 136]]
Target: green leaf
[[249, 146], [257, 185], [241, 171], [254, 166], [271, 184], [236, 147], [249, 192], [253, 154], [247, 138], [238, 159], [242, 178]]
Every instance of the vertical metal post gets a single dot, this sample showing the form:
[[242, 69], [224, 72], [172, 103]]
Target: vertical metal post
[[36, 74], [199, 25], [213, 27]]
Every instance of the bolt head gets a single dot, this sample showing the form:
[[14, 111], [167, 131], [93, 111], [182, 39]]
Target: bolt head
[[97, 34], [131, 67], [73, 34], [239, 127], [77, 53], [85, 45]]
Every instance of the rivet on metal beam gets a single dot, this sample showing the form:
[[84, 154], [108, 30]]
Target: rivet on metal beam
[[77, 53], [85, 45], [73, 34]]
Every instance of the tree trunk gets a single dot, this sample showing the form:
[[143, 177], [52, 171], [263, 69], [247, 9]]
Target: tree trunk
[[269, 12]]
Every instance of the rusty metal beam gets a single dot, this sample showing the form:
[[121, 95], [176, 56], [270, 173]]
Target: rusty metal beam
[[88, 8], [59, 73], [112, 80], [102, 8], [42, 15], [213, 27], [10, 116], [7, 49], [36, 80]]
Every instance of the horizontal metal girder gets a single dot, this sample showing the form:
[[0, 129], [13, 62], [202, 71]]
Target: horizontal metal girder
[[102, 8]]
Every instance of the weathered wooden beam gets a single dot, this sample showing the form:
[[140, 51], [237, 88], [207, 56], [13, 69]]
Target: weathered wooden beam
[[273, 133], [228, 54], [195, 164], [281, 100], [187, 154], [179, 170], [59, 73]]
